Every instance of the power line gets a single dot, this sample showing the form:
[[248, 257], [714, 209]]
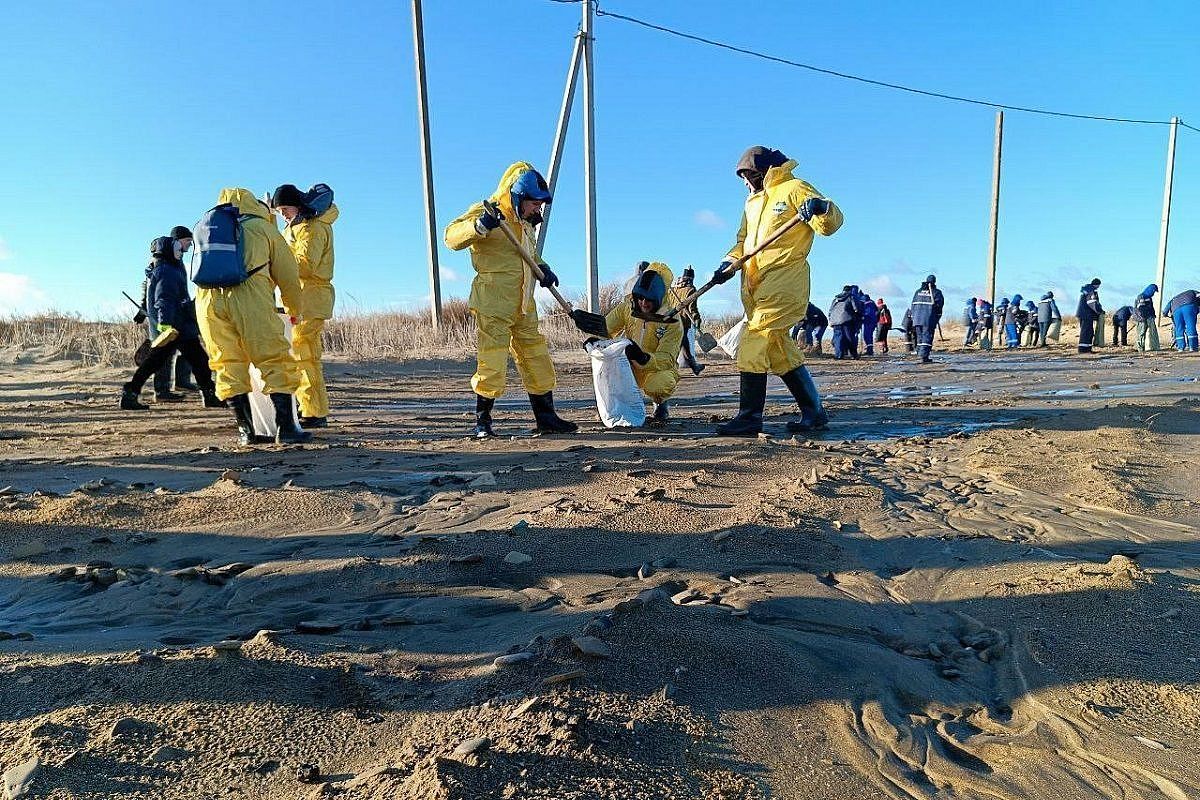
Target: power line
[[884, 84]]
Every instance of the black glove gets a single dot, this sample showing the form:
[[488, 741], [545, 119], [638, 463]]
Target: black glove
[[723, 274], [548, 277], [486, 223], [813, 207], [635, 353], [590, 340]]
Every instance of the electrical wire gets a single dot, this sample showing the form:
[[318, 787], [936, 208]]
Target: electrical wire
[[884, 84]]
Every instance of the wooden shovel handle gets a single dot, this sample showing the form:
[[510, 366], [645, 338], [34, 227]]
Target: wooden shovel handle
[[494, 210]]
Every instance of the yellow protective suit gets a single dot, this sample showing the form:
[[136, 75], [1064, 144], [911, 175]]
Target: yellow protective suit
[[662, 341], [239, 324], [502, 298], [775, 283], [311, 241]]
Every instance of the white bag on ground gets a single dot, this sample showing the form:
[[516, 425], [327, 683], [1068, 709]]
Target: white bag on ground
[[262, 411], [732, 338], [618, 398]]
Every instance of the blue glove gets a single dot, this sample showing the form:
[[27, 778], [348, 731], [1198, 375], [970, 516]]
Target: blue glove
[[486, 223], [722, 275], [548, 277], [813, 207]]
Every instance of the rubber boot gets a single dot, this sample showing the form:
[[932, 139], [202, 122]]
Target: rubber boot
[[314, 422], [209, 399], [240, 403], [661, 413], [288, 431], [483, 417], [752, 398], [130, 401], [167, 397], [548, 420], [812, 414]]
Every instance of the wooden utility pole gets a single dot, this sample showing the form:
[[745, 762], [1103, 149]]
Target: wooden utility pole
[[995, 221], [435, 283], [1166, 220]]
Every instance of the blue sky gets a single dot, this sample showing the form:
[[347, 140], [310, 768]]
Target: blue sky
[[123, 119]]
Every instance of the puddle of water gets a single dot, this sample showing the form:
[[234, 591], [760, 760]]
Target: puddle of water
[[1116, 390], [895, 429]]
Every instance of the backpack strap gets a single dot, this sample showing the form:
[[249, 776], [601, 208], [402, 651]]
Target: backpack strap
[[241, 219]]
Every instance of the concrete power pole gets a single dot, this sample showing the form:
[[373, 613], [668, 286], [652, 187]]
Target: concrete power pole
[[435, 283], [589, 161], [1166, 220], [995, 220]]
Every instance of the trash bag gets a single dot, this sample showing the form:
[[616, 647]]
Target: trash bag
[[618, 398], [733, 337], [261, 409]]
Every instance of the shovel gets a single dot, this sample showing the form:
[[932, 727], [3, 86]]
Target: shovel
[[586, 321], [731, 270]]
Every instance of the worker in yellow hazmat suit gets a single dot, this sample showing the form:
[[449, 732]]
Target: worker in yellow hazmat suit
[[502, 299], [310, 236], [654, 347], [240, 327], [775, 286]]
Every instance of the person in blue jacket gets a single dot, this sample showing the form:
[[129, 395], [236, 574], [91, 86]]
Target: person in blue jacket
[[1047, 312], [1183, 310], [870, 319], [1031, 324], [1012, 322], [1088, 311], [856, 297], [813, 327], [927, 304], [170, 309], [1000, 318], [983, 324], [842, 316], [1120, 328], [970, 321], [1146, 320]]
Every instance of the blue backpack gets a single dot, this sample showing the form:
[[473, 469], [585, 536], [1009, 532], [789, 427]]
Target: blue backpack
[[218, 260]]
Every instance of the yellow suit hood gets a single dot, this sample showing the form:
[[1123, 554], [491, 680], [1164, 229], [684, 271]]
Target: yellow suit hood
[[503, 194], [246, 202]]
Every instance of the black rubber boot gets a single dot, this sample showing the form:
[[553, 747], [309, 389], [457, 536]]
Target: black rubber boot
[[240, 403], [314, 422], [752, 398], [483, 417], [209, 399], [548, 420], [167, 397], [288, 431], [130, 401], [661, 413], [812, 414]]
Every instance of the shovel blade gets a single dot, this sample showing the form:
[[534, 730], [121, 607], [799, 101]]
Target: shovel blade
[[707, 341], [589, 323]]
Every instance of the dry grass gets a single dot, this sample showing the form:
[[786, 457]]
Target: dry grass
[[98, 342]]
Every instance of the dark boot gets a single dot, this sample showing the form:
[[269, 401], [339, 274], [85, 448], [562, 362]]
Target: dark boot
[[240, 403], [483, 417], [130, 401], [167, 397], [753, 396], [548, 420], [209, 399], [661, 414], [285, 421], [812, 414], [314, 422]]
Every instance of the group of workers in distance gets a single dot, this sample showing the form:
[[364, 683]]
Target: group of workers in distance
[[1022, 323], [233, 322]]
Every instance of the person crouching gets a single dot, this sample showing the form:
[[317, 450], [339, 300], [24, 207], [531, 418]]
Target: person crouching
[[653, 351]]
